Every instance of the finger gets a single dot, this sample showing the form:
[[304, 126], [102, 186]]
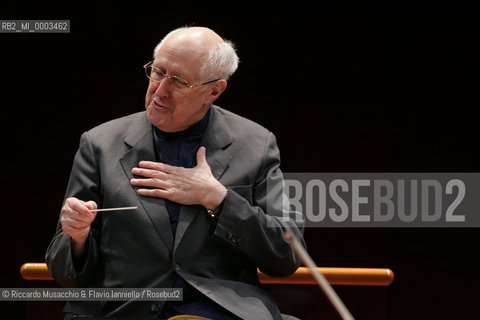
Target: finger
[[77, 205], [82, 212], [74, 223], [148, 173], [154, 183], [91, 205], [70, 215], [74, 229], [156, 166], [77, 209], [159, 193]]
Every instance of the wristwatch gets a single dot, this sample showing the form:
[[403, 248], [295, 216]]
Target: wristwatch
[[212, 213], [215, 213]]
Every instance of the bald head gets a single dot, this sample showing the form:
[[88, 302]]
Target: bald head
[[194, 37], [216, 55]]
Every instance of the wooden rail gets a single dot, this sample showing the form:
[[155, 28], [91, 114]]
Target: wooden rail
[[335, 276]]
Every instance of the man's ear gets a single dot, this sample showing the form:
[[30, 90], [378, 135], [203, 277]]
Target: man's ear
[[216, 90]]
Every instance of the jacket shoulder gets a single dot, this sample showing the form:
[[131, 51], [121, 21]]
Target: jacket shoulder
[[241, 125], [123, 124]]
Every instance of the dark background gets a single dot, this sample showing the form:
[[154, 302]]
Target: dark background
[[346, 86]]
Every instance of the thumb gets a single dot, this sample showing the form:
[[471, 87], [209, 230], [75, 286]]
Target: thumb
[[201, 157], [92, 205]]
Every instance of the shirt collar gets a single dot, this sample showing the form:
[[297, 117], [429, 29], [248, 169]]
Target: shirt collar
[[195, 131]]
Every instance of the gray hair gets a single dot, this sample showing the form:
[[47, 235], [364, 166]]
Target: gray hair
[[222, 61]]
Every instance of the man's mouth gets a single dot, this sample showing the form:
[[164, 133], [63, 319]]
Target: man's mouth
[[156, 105], [159, 106]]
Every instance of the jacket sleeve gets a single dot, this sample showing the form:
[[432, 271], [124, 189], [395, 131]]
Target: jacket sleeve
[[254, 218], [84, 184]]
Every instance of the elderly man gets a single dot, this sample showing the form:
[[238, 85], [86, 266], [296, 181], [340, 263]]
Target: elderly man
[[206, 184]]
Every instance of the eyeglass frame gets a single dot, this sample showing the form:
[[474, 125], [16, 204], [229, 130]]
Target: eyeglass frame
[[169, 77]]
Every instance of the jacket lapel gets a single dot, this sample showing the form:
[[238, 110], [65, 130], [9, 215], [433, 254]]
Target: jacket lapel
[[140, 144], [216, 140]]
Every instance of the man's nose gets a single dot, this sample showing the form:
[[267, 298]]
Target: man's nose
[[163, 88]]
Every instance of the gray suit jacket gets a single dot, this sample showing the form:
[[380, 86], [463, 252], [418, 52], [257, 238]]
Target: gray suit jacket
[[134, 249]]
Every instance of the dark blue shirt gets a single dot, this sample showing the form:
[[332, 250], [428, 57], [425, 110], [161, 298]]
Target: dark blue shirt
[[180, 149]]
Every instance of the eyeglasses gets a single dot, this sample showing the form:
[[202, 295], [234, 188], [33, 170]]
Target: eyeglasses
[[156, 75]]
